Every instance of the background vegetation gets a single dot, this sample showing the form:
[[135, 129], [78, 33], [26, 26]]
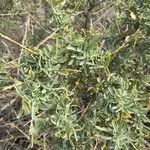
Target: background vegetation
[[81, 71]]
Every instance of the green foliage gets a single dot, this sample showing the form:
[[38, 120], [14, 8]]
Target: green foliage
[[85, 94]]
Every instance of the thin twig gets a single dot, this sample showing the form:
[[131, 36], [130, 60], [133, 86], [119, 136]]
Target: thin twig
[[27, 25], [38, 23], [103, 9], [85, 110], [15, 42], [12, 125], [105, 15], [8, 139], [8, 104], [46, 39], [114, 52], [7, 48]]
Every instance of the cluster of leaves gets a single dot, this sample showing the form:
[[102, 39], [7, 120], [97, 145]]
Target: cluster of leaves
[[86, 90]]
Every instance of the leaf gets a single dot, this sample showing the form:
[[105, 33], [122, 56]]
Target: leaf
[[128, 38], [133, 15], [71, 62], [107, 138], [26, 107], [103, 146], [126, 115], [148, 105], [147, 23], [78, 57], [108, 58], [61, 3], [103, 129]]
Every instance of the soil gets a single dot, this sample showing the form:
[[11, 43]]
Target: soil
[[13, 131]]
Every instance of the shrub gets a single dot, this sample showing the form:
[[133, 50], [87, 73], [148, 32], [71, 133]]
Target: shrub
[[86, 89]]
